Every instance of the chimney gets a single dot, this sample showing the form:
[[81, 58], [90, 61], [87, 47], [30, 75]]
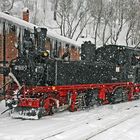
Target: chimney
[[26, 14]]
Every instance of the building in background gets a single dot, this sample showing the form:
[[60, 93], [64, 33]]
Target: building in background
[[56, 45]]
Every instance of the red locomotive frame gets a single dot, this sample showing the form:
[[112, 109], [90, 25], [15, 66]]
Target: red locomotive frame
[[50, 97]]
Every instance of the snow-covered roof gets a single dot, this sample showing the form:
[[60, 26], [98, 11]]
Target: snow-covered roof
[[25, 9], [29, 26]]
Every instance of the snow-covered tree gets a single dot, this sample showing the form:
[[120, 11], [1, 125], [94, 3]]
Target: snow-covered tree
[[106, 21], [69, 16], [6, 5]]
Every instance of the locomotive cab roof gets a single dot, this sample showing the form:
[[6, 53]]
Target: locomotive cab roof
[[118, 47]]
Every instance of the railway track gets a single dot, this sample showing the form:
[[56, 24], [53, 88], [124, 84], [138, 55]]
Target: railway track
[[91, 135], [66, 125], [112, 126]]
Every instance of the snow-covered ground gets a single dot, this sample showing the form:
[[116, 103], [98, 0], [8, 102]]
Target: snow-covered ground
[[108, 122]]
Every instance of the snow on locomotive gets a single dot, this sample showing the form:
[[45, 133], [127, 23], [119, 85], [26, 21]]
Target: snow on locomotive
[[42, 85]]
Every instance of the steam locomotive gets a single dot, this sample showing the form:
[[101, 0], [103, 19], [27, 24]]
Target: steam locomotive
[[42, 85]]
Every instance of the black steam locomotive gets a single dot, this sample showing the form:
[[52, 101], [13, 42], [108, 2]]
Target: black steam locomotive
[[48, 84]]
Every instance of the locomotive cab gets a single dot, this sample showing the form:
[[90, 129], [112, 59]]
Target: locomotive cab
[[124, 59], [135, 61], [137, 74]]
